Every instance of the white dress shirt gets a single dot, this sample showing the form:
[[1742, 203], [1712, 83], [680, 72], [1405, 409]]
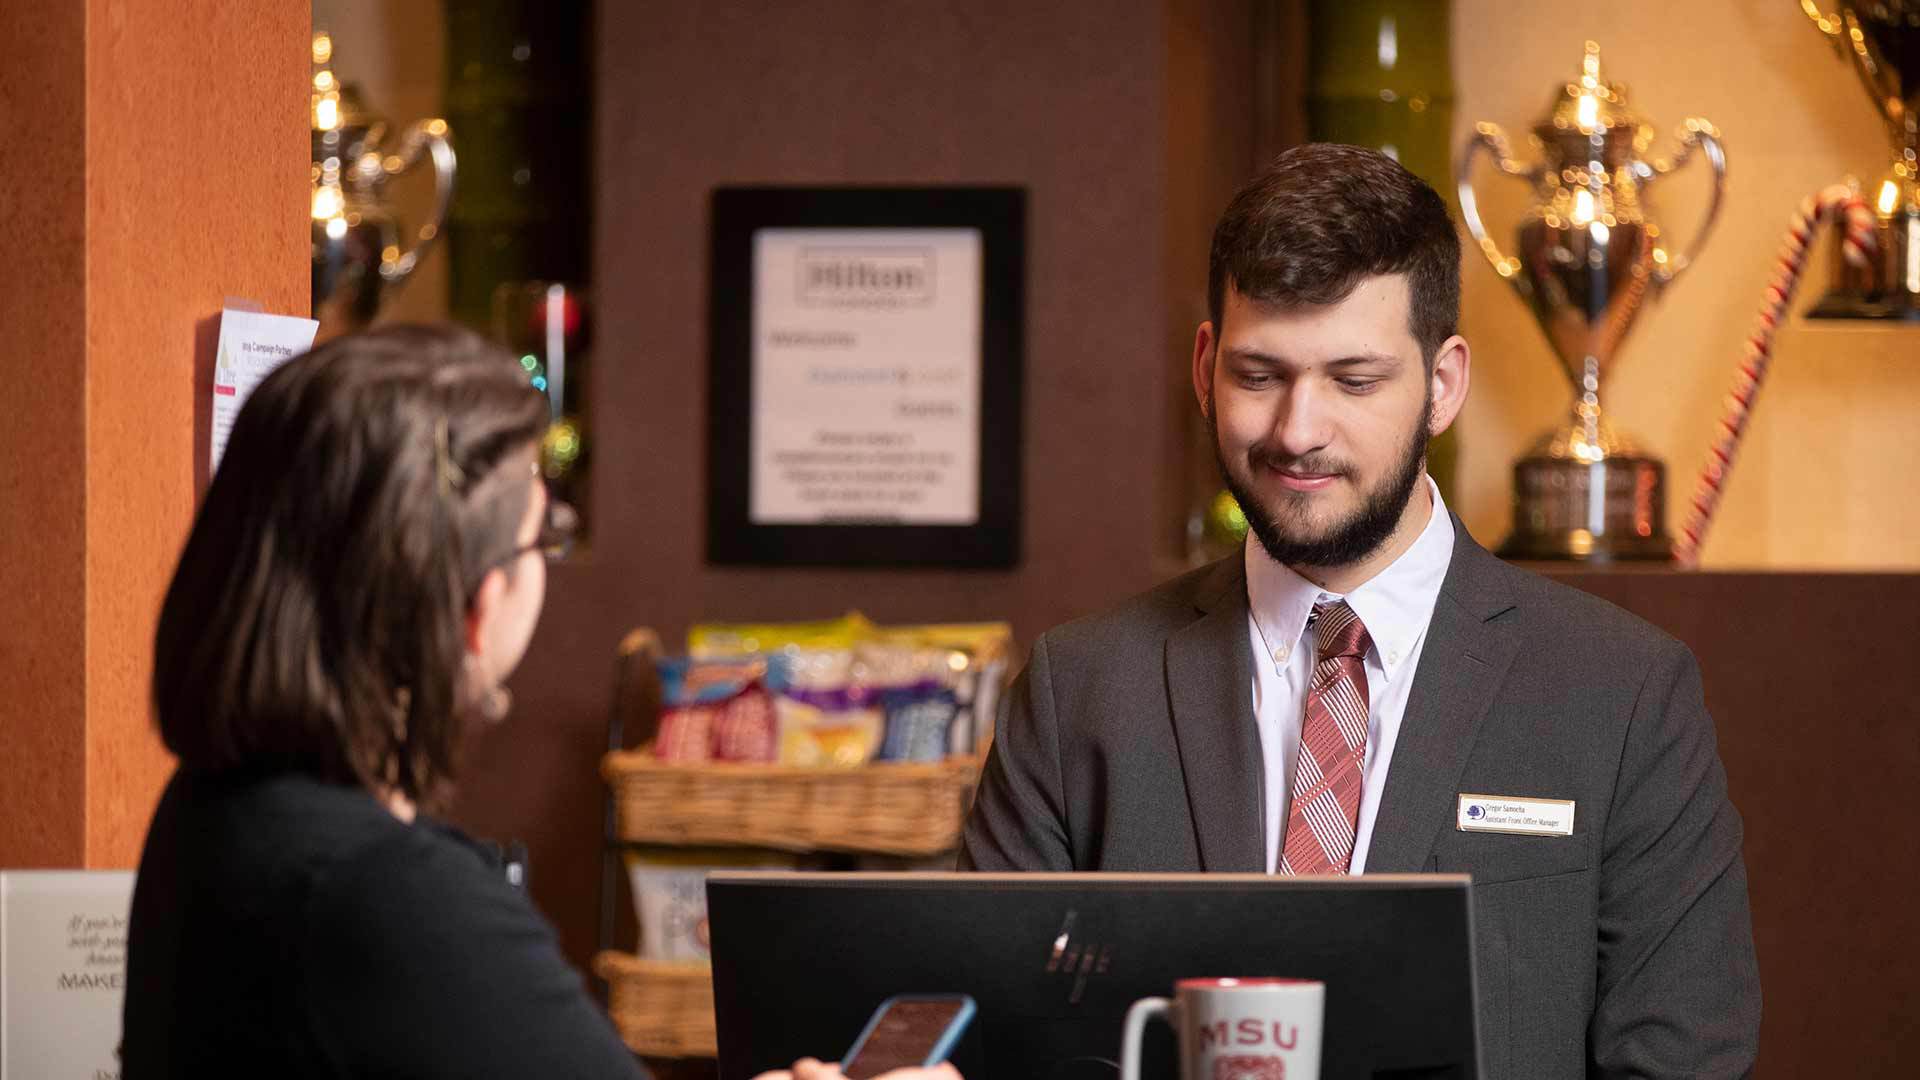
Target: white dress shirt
[[1395, 605]]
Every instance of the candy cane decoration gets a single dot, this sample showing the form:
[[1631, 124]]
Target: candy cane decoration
[[1857, 246]]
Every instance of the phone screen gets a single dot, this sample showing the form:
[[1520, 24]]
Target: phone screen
[[903, 1037]]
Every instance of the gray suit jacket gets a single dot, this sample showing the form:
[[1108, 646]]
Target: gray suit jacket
[[1626, 949]]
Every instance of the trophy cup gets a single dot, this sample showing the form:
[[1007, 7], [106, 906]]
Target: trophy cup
[[1589, 256], [1882, 39], [356, 239]]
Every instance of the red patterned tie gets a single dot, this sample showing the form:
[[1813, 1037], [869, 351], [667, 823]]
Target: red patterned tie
[[1327, 775]]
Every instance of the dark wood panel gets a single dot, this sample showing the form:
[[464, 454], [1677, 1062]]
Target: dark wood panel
[[1815, 691]]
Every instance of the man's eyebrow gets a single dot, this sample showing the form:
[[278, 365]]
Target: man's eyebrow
[[1387, 360], [1246, 354], [1250, 355]]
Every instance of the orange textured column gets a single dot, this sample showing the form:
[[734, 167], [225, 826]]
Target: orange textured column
[[156, 164]]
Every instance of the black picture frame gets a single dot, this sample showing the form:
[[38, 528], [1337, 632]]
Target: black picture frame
[[993, 541]]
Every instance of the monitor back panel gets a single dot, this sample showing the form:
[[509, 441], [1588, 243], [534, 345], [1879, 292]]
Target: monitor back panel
[[800, 962]]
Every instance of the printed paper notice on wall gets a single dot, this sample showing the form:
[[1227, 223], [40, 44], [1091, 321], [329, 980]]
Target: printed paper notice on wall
[[866, 376], [864, 380], [252, 344], [63, 969]]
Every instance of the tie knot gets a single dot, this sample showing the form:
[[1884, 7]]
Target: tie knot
[[1339, 631]]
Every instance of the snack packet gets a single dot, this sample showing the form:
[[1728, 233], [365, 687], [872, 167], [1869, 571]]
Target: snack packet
[[919, 722], [744, 727], [670, 896], [718, 709], [818, 669], [990, 683], [827, 727], [972, 661], [706, 640], [982, 642]]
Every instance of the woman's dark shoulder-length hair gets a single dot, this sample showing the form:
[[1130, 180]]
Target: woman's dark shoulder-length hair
[[315, 621]]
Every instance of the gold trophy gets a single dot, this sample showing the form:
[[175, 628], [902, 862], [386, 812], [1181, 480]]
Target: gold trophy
[[1589, 257], [1881, 38], [357, 256]]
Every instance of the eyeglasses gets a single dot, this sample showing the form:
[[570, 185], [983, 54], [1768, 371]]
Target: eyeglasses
[[555, 539], [557, 531]]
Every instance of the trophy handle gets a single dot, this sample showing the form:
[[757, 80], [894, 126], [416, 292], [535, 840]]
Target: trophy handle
[[1490, 139], [1695, 134], [424, 139]]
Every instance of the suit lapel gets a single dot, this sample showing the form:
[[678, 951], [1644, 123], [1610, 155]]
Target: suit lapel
[[1462, 665], [1209, 684]]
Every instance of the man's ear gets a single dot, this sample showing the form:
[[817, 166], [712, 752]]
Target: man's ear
[[1204, 344], [1451, 377], [486, 600]]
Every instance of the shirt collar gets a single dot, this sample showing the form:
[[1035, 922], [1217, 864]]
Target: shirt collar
[[1395, 605]]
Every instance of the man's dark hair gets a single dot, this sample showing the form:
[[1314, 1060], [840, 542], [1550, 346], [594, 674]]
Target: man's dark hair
[[315, 621], [1324, 216]]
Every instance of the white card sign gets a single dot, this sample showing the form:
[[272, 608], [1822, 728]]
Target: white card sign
[[63, 967], [866, 376], [252, 344]]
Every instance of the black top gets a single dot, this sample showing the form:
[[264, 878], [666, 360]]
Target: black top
[[286, 927]]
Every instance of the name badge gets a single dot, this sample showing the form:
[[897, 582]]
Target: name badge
[[1506, 814]]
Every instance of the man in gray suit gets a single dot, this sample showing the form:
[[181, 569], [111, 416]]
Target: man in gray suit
[[1364, 688]]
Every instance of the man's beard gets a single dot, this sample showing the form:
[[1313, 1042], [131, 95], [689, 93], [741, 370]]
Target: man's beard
[[1344, 542]]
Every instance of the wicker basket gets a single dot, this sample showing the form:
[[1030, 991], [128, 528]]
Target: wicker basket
[[660, 1010], [891, 808]]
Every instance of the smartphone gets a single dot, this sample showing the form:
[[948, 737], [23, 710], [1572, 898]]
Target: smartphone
[[908, 1031]]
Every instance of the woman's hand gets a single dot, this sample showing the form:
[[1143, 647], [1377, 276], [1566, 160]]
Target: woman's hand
[[809, 1069]]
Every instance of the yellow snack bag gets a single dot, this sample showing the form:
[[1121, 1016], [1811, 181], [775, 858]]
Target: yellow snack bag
[[733, 639], [982, 642], [813, 735]]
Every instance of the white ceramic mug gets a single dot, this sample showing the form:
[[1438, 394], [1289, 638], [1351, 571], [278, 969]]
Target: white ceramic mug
[[1236, 1029]]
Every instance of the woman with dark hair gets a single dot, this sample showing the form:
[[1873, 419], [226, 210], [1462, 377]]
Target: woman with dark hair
[[365, 570], [368, 566]]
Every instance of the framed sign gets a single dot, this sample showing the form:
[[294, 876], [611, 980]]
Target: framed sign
[[864, 386]]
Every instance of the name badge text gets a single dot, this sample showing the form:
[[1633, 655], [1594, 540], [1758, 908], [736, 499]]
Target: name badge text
[[1506, 814]]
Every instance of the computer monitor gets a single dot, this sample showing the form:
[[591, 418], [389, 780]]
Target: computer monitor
[[801, 960]]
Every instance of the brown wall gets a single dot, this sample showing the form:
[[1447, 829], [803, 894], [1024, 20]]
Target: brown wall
[[1070, 100], [1812, 687], [157, 165], [1219, 120]]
